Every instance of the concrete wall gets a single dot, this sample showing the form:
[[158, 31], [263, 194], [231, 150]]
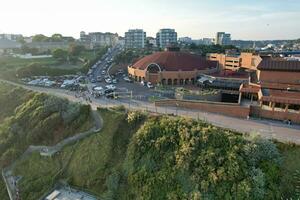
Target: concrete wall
[[256, 111], [229, 109]]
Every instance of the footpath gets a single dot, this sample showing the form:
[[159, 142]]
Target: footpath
[[7, 173]]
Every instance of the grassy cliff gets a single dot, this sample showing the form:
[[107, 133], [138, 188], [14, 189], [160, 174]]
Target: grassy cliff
[[28, 118], [161, 157]]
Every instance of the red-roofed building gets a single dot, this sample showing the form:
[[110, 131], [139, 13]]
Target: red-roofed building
[[171, 67]]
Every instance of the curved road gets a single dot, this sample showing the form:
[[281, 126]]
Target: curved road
[[265, 128]]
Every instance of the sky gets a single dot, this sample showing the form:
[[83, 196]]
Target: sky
[[244, 19]]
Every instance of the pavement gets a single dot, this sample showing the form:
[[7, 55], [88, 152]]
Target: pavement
[[266, 128]]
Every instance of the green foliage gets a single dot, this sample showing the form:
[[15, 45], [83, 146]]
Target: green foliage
[[60, 54], [205, 49], [39, 38], [134, 117], [128, 56], [38, 120], [180, 158], [166, 158], [35, 69], [75, 50], [11, 97]]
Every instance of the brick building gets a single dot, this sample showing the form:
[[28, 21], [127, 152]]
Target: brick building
[[171, 67], [234, 61], [275, 86]]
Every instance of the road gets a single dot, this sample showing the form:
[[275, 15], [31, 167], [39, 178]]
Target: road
[[265, 128]]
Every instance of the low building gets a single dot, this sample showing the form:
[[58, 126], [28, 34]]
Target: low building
[[276, 88], [235, 61], [9, 44], [99, 39], [171, 67]]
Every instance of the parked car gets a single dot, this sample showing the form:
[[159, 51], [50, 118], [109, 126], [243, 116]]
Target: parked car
[[108, 91], [93, 80], [108, 80], [99, 78], [112, 87], [127, 79], [114, 81], [143, 83], [111, 96], [149, 85]]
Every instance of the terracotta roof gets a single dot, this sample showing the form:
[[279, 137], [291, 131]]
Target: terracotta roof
[[279, 65], [174, 61], [279, 96]]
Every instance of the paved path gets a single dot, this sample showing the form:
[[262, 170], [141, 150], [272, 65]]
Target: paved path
[[265, 128]]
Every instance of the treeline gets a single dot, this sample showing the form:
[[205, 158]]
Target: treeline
[[205, 49], [130, 55]]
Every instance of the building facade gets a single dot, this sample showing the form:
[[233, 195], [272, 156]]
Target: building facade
[[135, 39], [223, 38], [235, 61], [96, 39], [12, 37], [274, 90], [171, 67], [166, 37]]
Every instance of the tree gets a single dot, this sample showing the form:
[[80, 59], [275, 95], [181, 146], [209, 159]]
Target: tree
[[75, 50], [39, 38], [60, 54], [57, 37]]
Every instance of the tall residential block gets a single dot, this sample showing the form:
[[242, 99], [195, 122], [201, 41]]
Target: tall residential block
[[223, 38], [135, 39], [166, 37]]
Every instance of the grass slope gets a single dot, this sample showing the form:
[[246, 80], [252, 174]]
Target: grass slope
[[90, 164], [166, 158], [28, 118]]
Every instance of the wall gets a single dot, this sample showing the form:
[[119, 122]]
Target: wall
[[279, 77], [256, 111], [229, 109], [156, 78]]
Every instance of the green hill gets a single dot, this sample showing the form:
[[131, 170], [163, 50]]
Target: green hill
[[161, 157], [28, 118]]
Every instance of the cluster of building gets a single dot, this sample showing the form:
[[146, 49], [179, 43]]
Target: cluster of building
[[96, 39], [136, 38], [270, 83]]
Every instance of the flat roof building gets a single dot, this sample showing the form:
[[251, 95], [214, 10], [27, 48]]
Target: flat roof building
[[223, 38], [135, 39], [166, 37]]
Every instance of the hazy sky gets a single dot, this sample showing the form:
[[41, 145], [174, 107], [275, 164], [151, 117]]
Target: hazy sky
[[244, 19]]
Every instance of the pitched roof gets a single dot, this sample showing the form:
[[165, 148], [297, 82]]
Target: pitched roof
[[279, 65], [175, 61]]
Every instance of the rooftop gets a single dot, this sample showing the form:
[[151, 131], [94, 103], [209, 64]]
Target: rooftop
[[279, 65], [175, 61], [69, 194]]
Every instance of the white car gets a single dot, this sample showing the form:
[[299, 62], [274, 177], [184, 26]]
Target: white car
[[149, 85], [108, 80], [111, 87]]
